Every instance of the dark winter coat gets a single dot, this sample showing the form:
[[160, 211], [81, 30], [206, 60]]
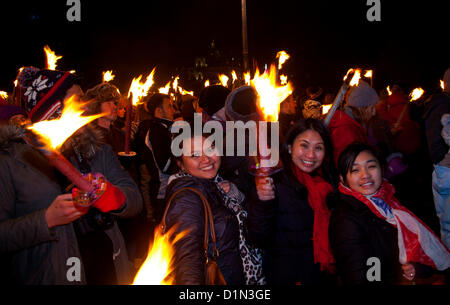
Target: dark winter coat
[[28, 185], [436, 108], [187, 212], [283, 228], [357, 234]]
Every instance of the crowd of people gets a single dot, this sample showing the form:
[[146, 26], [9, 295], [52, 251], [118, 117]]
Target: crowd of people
[[371, 187]]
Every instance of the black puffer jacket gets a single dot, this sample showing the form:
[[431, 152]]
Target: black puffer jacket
[[283, 227], [356, 234], [187, 212]]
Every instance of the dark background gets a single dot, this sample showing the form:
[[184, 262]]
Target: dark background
[[324, 38]]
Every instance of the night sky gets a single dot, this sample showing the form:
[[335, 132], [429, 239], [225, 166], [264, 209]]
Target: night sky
[[324, 38]]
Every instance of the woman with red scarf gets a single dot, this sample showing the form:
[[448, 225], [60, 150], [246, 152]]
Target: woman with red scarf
[[374, 238], [287, 213]]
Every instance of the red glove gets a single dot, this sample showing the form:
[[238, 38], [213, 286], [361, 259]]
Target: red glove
[[112, 199]]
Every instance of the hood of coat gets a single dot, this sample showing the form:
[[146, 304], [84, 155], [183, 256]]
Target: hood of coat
[[9, 134]]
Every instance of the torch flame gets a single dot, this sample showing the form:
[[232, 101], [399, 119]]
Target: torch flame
[[55, 132], [270, 95], [368, 74], [247, 78], [159, 265], [442, 85], [165, 89], [282, 57], [326, 108], [389, 90], [108, 76], [3, 95], [52, 58], [207, 83], [175, 84], [234, 76], [283, 79], [139, 89], [223, 79], [185, 92], [416, 94]]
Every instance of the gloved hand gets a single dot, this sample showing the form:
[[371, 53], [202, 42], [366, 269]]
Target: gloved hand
[[105, 197]]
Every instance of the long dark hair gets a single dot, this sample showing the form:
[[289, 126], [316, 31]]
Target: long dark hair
[[327, 168]]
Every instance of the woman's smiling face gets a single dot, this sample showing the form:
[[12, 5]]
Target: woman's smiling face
[[308, 151], [365, 175], [201, 159]]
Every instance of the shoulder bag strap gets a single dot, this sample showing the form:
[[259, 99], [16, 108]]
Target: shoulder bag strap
[[208, 219]]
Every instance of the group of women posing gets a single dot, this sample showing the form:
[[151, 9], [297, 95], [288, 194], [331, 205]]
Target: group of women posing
[[307, 224]]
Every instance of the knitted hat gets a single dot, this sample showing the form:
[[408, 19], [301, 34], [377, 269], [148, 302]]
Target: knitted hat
[[241, 104], [8, 111], [312, 109], [43, 92], [362, 96], [212, 98]]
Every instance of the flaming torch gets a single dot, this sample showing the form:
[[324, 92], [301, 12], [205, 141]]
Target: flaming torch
[[369, 74], [137, 91], [442, 84], [158, 265], [270, 97], [282, 56], [207, 83], [52, 134], [108, 76], [52, 58], [416, 94], [344, 88], [224, 80], [247, 78]]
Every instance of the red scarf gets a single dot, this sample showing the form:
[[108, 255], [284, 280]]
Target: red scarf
[[416, 242], [318, 189]]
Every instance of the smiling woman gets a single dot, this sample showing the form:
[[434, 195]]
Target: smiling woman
[[369, 222], [239, 262]]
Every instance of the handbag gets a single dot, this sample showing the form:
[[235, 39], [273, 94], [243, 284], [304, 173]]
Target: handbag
[[213, 274]]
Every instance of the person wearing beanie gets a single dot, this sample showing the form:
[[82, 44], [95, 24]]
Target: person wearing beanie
[[42, 229], [42, 92], [345, 128]]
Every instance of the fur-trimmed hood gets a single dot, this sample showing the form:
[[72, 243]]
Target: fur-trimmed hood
[[86, 140], [9, 134]]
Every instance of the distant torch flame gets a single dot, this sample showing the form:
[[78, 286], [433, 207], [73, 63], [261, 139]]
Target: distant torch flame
[[3, 95], [234, 76], [368, 74], [247, 78], [389, 90], [159, 263], [139, 89], [207, 83], [108, 76], [270, 95], [165, 89], [282, 57], [52, 58], [223, 79], [283, 79], [356, 76], [55, 132], [185, 92], [175, 84], [416, 94], [442, 85], [326, 108]]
